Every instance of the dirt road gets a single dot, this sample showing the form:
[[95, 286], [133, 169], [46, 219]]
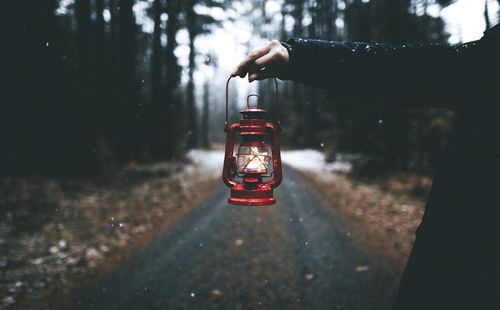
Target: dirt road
[[292, 255]]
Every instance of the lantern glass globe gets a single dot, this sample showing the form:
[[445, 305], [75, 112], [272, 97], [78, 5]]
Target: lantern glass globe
[[253, 159]]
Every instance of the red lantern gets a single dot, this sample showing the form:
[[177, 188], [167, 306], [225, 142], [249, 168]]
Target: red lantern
[[252, 160]]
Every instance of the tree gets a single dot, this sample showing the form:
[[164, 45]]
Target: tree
[[125, 134], [196, 24], [169, 140], [205, 120], [156, 63], [83, 26], [486, 15]]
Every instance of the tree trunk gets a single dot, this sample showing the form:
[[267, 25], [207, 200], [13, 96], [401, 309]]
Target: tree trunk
[[82, 13], [101, 68], [331, 14], [205, 120], [312, 101], [99, 8], [171, 145], [192, 120], [113, 23], [172, 68], [126, 105], [486, 15], [283, 34], [298, 15], [298, 90], [156, 64]]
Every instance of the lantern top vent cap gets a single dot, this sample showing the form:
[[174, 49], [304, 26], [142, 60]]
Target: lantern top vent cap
[[253, 110]]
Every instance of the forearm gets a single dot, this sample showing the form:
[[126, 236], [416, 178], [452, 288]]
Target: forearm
[[410, 75]]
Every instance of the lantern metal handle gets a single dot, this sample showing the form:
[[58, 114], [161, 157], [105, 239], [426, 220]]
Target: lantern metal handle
[[226, 124]]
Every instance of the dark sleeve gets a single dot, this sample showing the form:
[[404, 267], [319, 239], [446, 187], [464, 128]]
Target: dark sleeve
[[404, 75]]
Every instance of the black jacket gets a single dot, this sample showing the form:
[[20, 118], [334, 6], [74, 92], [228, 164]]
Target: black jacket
[[465, 197]]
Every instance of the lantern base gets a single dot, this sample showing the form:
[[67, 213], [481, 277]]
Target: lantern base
[[260, 195]]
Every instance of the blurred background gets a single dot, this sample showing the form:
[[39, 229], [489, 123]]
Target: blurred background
[[107, 106], [91, 83]]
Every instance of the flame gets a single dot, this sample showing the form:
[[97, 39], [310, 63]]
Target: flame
[[256, 162]]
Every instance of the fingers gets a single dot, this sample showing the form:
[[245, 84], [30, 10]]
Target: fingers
[[262, 62], [260, 75], [244, 66], [265, 62], [261, 68]]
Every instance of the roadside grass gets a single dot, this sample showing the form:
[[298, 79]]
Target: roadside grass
[[380, 214], [56, 234]]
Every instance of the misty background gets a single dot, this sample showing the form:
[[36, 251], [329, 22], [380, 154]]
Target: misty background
[[112, 130], [90, 84]]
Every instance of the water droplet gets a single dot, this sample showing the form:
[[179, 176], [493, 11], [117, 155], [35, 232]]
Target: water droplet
[[309, 276], [306, 243], [380, 121], [362, 268], [201, 244], [142, 81], [47, 44], [322, 144], [193, 294], [62, 244], [121, 225]]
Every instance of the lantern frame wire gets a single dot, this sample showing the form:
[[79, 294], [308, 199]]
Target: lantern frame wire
[[265, 174]]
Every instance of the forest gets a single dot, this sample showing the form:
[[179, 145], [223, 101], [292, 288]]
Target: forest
[[112, 129], [93, 83]]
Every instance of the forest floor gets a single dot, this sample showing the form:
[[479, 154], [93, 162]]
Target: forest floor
[[56, 234], [382, 214]]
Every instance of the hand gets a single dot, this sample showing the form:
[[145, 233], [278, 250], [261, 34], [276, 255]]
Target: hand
[[269, 61]]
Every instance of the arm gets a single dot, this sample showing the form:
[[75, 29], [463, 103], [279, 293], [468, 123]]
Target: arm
[[403, 75], [408, 75]]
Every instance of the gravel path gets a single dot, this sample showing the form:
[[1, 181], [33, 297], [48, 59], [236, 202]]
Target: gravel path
[[292, 255]]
